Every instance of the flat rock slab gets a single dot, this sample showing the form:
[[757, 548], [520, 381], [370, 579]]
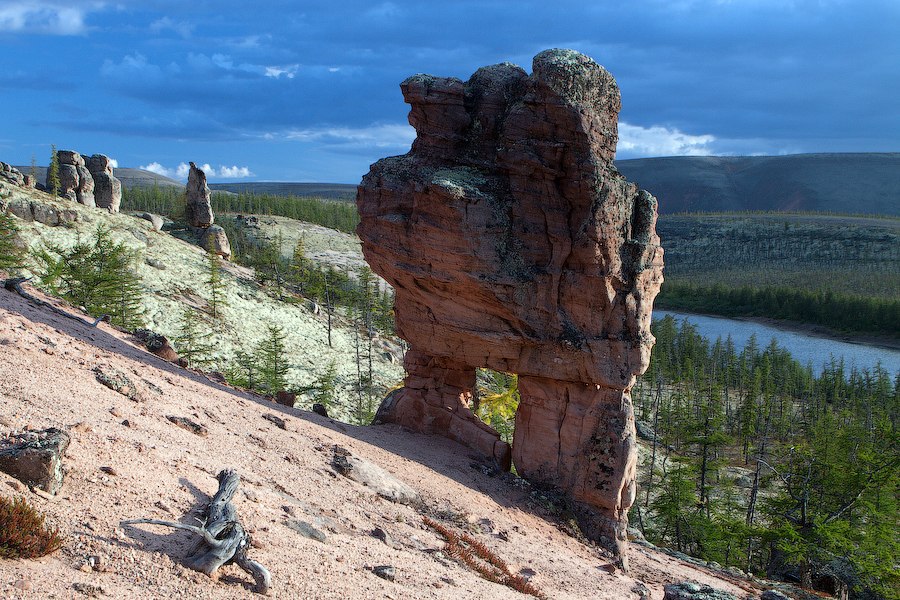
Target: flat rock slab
[[380, 481], [189, 425], [117, 381], [35, 458], [687, 590]]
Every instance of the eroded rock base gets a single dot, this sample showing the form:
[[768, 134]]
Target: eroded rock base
[[435, 399], [580, 438]]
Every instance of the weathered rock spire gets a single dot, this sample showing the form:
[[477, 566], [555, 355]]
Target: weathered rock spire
[[514, 244]]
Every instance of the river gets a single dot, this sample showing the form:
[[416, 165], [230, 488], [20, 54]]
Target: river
[[807, 349]]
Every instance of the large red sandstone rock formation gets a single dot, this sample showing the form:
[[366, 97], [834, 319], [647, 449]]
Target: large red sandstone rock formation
[[514, 244]]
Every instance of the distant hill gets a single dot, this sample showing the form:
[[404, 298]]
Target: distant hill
[[128, 177], [865, 183], [847, 183], [336, 191]]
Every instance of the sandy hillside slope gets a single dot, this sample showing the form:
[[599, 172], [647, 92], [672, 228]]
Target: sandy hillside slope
[[159, 470], [174, 277]]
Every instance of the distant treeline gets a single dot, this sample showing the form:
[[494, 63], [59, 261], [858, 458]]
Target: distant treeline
[[169, 201], [840, 312]]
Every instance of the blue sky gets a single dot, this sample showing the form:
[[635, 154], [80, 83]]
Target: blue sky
[[308, 91]]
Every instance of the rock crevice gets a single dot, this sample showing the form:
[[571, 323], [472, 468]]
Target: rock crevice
[[513, 243]]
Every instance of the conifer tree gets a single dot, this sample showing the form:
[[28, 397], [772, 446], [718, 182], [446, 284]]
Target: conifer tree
[[53, 172], [272, 364], [324, 387], [11, 255], [243, 371], [214, 283], [191, 342], [96, 275]]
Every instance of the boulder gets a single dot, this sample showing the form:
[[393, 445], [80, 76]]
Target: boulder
[[158, 344], [107, 189], [156, 221], [35, 458], [84, 194], [21, 208], [372, 476], [69, 157], [99, 163], [215, 240], [107, 192], [199, 210], [286, 398], [29, 181], [68, 179], [45, 213], [12, 175], [513, 243], [688, 590]]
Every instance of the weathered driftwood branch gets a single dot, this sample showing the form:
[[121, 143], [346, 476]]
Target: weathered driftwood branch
[[14, 284], [223, 539]]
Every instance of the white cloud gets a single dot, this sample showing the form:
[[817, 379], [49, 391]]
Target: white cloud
[[234, 172], [182, 28], [635, 140], [181, 171], [36, 16], [113, 163], [277, 71], [385, 135]]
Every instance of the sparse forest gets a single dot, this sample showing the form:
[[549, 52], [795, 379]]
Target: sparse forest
[[169, 201], [838, 271], [761, 465]]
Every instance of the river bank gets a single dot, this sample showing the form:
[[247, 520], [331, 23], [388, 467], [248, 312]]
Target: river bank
[[807, 343]]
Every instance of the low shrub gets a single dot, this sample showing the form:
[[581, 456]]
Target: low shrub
[[22, 531]]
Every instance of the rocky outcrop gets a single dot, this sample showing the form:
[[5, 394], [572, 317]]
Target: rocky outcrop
[[107, 189], [75, 180], [215, 240], [688, 590], [12, 175], [156, 221], [513, 243], [35, 458], [84, 194], [199, 215], [199, 210]]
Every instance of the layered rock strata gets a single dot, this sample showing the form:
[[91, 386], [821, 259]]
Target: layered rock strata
[[107, 188], [513, 243], [75, 180]]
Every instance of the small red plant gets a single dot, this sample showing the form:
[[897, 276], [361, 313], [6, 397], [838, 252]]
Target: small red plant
[[481, 559], [22, 531]]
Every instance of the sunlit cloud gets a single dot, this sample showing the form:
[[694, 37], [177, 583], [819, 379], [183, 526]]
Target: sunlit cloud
[[181, 171], [635, 140]]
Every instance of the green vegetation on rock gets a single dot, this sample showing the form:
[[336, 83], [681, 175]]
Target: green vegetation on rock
[[11, 254], [98, 275]]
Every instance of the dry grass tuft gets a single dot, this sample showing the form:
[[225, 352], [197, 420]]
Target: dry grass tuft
[[481, 559], [22, 531]]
